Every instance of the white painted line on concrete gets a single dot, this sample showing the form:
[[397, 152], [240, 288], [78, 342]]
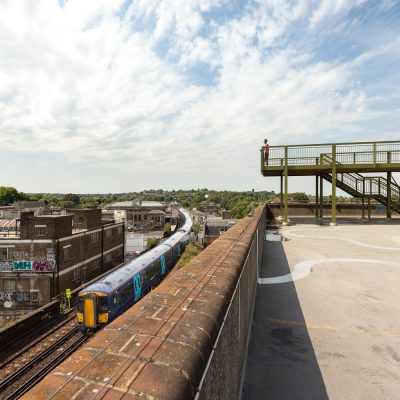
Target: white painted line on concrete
[[396, 239], [304, 268], [356, 242]]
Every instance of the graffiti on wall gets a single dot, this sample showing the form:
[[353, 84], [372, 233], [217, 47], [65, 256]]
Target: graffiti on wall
[[41, 266], [36, 266], [19, 297], [5, 296], [21, 261], [22, 265], [20, 254], [51, 258], [5, 266]]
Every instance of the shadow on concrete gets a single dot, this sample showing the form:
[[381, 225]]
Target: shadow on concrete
[[281, 362]]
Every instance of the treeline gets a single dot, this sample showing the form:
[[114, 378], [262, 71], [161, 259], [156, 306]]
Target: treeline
[[238, 203]]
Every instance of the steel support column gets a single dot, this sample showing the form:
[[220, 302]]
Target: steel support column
[[321, 196], [333, 184], [285, 214], [389, 194], [316, 195], [363, 199], [369, 207], [281, 194]]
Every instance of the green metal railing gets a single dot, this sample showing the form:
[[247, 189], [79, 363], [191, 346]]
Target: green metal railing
[[360, 153], [375, 187]]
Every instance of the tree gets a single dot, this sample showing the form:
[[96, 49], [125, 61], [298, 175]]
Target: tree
[[167, 230], [299, 196], [9, 194], [151, 242], [196, 229], [70, 200]]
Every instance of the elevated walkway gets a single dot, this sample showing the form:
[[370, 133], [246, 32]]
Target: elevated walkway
[[342, 164]]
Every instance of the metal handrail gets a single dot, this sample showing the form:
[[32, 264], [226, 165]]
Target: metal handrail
[[372, 186], [346, 153]]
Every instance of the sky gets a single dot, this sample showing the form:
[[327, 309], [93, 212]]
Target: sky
[[121, 96]]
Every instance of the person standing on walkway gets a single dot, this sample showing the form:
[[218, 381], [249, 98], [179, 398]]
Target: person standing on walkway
[[266, 151]]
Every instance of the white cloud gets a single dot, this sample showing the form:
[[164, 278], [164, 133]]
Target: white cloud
[[329, 8], [106, 85]]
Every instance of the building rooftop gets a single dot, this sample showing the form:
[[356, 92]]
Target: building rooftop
[[137, 203]]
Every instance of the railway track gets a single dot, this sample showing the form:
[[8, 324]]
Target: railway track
[[52, 333], [18, 374]]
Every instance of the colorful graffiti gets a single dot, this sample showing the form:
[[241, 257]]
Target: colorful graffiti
[[36, 266], [41, 266], [22, 265], [5, 266]]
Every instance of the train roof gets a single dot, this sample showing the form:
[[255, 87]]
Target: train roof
[[116, 278]]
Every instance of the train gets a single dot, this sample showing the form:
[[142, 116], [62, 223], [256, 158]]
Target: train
[[104, 300]]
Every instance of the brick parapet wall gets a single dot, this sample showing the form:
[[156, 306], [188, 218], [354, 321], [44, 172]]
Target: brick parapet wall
[[186, 338]]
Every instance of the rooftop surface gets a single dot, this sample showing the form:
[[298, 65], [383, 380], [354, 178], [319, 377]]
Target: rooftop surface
[[327, 313]]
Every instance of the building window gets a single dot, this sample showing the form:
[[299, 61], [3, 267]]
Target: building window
[[119, 230], [67, 252], [9, 285], [4, 253], [40, 230], [95, 267], [34, 296], [108, 258], [95, 237], [108, 233], [77, 273]]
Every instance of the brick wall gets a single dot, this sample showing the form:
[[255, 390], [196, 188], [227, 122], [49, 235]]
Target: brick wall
[[45, 227]]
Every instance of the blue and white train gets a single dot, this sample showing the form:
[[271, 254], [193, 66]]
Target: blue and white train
[[102, 301]]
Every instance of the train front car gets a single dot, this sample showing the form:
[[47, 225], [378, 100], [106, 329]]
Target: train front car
[[102, 301], [92, 308]]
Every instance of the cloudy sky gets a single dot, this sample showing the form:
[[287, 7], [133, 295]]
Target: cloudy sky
[[116, 96]]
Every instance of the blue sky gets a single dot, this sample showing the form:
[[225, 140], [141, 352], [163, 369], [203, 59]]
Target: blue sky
[[117, 96]]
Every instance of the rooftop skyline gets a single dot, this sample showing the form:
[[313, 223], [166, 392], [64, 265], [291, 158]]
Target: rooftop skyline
[[125, 96]]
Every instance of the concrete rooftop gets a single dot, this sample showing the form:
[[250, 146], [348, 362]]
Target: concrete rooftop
[[327, 313]]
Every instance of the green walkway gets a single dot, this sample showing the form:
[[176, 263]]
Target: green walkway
[[342, 164]]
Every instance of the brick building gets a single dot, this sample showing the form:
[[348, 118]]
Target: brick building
[[51, 253], [139, 214]]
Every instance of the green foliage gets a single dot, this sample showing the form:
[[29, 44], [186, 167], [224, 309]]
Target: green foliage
[[196, 229], [191, 251], [70, 200], [9, 194], [298, 196], [167, 230], [151, 242]]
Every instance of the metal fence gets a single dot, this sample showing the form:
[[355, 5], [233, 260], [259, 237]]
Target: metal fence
[[222, 377]]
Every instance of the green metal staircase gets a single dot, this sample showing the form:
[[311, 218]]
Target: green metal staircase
[[374, 187]]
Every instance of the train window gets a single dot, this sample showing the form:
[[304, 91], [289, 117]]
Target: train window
[[116, 298], [127, 291], [79, 307], [103, 304]]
